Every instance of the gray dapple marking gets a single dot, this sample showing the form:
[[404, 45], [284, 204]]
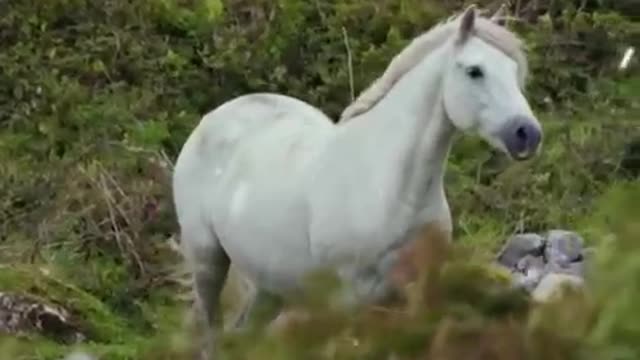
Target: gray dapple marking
[[269, 183]]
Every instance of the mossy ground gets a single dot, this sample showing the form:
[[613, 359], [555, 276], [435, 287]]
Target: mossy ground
[[97, 98]]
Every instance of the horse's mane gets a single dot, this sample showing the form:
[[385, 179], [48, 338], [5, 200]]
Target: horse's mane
[[412, 54]]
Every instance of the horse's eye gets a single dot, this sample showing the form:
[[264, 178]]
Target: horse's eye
[[475, 72]]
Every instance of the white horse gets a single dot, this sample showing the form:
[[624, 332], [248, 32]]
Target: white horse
[[270, 183]]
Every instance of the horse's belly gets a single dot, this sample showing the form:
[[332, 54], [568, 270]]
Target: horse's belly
[[268, 261], [275, 271], [263, 230]]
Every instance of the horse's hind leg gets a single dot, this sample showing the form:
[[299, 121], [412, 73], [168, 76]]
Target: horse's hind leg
[[209, 265], [261, 307]]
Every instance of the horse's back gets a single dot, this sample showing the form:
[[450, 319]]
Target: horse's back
[[257, 118], [234, 121]]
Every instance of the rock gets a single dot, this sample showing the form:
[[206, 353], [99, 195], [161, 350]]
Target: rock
[[563, 247], [518, 247], [79, 356], [530, 262], [24, 315], [534, 261], [552, 285], [573, 268], [529, 271], [577, 268], [528, 280]]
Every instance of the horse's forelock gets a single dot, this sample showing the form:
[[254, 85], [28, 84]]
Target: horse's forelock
[[506, 41]]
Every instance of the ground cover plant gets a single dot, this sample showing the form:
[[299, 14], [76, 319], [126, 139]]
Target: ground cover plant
[[96, 99]]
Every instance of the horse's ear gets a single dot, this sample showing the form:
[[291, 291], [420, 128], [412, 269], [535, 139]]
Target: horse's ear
[[499, 16], [467, 23]]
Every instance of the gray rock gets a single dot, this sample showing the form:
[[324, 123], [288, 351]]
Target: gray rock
[[563, 247], [577, 268], [529, 279], [552, 284], [530, 262], [519, 246], [79, 356], [539, 264], [25, 315], [573, 268]]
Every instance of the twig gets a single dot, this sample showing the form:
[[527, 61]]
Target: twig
[[136, 257], [123, 240], [349, 62], [110, 204], [112, 217], [167, 160], [157, 156], [520, 226], [35, 251], [113, 181], [626, 59], [508, 18], [583, 4], [323, 17]]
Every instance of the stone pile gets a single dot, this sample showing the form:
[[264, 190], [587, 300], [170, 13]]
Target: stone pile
[[541, 264], [22, 315]]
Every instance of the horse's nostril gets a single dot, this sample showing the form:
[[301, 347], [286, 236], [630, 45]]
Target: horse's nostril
[[521, 133]]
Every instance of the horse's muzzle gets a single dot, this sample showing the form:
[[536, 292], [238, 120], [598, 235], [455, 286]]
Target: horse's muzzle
[[522, 137]]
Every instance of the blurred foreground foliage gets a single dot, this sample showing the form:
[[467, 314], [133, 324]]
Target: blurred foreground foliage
[[463, 309], [96, 98]]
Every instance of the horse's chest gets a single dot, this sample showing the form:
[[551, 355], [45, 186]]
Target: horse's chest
[[384, 279]]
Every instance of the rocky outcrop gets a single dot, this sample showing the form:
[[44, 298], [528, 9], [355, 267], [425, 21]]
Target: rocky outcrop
[[543, 264], [23, 315]]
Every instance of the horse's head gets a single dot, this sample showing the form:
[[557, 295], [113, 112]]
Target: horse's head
[[483, 87]]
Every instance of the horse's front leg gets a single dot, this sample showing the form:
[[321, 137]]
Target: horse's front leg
[[368, 287]]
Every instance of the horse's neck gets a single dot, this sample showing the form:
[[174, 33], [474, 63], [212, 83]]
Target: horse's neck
[[407, 134]]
